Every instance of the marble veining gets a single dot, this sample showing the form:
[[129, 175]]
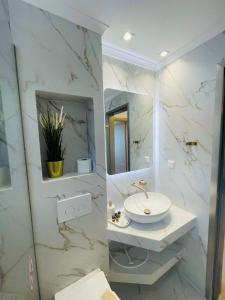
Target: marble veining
[[83, 59], [67, 62], [185, 101], [186, 107], [16, 241]]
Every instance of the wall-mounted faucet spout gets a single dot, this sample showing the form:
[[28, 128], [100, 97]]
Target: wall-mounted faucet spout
[[140, 184]]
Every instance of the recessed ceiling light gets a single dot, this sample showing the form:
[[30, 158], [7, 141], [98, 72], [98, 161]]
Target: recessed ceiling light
[[164, 53], [128, 36]]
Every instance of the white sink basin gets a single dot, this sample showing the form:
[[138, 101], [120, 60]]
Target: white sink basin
[[147, 210]]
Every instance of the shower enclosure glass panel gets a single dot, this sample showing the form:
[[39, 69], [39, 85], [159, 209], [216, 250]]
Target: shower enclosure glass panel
[[17, 262], [5, 179]]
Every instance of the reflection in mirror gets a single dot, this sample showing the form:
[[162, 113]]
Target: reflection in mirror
[[117, 133], [128, 131], [4, 161]]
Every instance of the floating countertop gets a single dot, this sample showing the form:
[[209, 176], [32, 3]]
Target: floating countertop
[[157, 236]]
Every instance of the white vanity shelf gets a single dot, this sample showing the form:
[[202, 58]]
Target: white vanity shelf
[[159, 238], [157, 265]]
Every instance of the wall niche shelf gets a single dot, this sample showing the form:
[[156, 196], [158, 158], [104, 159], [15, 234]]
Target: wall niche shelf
[[78, 132], [67, 176], [157, 265]]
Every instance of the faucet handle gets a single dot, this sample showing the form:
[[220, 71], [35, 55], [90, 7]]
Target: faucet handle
[[139, 182], [142, 182]]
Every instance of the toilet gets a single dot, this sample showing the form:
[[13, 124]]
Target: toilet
[[93, 286]]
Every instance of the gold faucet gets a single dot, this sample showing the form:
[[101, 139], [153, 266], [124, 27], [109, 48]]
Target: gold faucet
[[140, 185]]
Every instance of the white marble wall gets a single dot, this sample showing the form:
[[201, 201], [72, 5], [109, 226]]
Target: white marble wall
[[51, 58], [186, 98], [184, 104], [122, 76], [55, 55], [16, 241]]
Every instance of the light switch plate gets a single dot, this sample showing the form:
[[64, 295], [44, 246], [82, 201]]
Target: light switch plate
[[74, 207], [147, 158], [171, 164]]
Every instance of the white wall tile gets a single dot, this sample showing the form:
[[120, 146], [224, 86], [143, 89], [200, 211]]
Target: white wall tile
[[55, 55]]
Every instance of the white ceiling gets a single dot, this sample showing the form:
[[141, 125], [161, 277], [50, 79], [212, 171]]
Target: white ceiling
[[174, 25]]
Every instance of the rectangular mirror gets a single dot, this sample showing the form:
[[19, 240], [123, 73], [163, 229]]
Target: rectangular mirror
[[128, 131]]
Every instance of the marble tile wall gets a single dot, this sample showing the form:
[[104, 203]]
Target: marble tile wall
[[185, 103], [17, 262], [184, 106], [55, 55], [186, 113], [140, 119], [125, 77]]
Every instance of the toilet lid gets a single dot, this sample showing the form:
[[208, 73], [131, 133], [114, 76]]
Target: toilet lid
[[90, 287]]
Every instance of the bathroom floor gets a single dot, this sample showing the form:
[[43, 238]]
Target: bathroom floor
[[172, 286]]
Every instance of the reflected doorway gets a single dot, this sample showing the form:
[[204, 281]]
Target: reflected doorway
[[117, 136]]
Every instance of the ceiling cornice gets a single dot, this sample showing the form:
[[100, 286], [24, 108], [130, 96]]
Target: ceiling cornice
[[147, 63], [130, 57], [213, 32]]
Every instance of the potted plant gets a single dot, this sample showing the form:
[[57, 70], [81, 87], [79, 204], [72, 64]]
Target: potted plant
[[52, 126]]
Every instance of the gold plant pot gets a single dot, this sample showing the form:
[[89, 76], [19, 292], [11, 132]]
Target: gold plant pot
[[55, 168]]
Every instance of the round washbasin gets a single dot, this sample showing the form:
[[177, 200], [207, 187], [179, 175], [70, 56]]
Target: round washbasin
[[141, 209]]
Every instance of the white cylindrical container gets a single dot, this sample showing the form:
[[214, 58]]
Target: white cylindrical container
[[4, 176], [110, 210], [84, 166]]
